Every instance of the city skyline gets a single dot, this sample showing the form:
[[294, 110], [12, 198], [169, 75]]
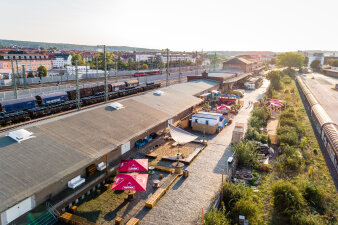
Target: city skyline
[[188, 25]]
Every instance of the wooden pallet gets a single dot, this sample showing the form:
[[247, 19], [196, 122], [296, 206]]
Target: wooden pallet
[[133, 221]]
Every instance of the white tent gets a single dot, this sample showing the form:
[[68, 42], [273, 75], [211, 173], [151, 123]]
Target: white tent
[[181, 136]]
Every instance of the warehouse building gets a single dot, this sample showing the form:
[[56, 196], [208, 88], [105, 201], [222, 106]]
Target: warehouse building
[[51, 160]]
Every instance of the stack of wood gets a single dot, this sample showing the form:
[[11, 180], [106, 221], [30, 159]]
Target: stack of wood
[[90, 170]]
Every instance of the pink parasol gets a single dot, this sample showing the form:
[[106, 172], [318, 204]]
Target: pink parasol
[[130, 182], [131, 165], [223, 107]]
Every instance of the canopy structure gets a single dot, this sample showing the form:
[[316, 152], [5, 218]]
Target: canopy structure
[[221, 107], [181, 136], [132, 165], [130, 182], [275, 102]]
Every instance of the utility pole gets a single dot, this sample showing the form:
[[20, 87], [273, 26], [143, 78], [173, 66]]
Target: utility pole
[[77, 87], [196, 70], [24, 77], [97, 73], [116, 71], [105, 76], [167, 78], [86, 74], [14, 81], [215, 62], [180, 73]]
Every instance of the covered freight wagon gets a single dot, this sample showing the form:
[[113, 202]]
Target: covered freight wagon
[[132, 83], [118, 86], [51, 98], [14, 105]]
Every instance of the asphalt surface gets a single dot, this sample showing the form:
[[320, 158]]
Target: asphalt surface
[[321, 87]]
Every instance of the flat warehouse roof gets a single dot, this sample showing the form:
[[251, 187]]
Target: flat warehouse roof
[[68, 143]]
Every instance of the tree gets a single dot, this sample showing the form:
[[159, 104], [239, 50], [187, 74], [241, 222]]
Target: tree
[[30, 74], [42, 71], [332, 62], [290, 59], [246, 154], [78, 58], [287, 199], [100, 60], [315, 65], [306, 61], [144, 67], [275, 78]]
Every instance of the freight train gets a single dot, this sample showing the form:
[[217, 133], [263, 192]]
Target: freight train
[[19, 110], [326, 128]]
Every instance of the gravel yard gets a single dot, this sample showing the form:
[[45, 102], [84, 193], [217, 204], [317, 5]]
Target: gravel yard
[[167, 149]]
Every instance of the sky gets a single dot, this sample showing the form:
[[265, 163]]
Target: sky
[[183, 25]]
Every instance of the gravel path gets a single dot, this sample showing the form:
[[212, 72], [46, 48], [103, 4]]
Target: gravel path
[[183, 203]]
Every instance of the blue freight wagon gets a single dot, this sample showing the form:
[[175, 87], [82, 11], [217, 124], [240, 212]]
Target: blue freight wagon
[[51, 98], [14, 105]]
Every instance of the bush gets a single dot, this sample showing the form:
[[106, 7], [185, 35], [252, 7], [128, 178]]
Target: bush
[[287, 199], [314, 197], [233, 193], [306, 219], [30, 74], [246, 154], [215, 217], [275, 79], [247, 208], [290, 138]]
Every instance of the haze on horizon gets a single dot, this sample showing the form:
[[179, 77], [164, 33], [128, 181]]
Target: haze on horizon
[[271, 25]]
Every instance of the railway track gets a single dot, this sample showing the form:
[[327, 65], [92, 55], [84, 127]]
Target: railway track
[[17, 125], [71, 82]]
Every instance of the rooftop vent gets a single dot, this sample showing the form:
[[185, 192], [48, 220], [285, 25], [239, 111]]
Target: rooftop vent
[[158, 93], [20, 135], [116, 105]]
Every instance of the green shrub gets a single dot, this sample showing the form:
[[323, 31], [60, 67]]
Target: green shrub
[[287, 199], [315, 198], [215, 217], [247, 208], [232, 193], [290, 138], [303, 218], [246, 154]]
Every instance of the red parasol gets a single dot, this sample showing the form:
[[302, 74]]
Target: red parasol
[[223, 107], [130, 182], [131, 165]]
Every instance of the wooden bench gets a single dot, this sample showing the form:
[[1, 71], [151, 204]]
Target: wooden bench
[[133, 221], [153, 199], [74, 219]]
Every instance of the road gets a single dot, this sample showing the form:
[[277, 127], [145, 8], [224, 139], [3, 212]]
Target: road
[[321, 87], [183, 203]]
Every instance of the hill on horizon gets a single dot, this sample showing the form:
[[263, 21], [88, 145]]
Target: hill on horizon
[[67, 47]]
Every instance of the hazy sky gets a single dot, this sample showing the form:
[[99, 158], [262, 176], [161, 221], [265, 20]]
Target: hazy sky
[[277, 25]]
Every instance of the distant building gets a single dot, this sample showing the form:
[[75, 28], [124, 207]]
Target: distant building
[[61, 60], [238, 64], [81, 69], [31, 61]]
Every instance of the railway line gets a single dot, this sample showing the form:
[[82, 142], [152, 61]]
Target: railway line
[[17, 125]]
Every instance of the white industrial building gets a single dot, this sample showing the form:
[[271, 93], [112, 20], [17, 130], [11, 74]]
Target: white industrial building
[[61, 60]]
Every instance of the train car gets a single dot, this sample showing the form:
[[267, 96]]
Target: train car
[[118, 86], [154, 72], [132, 83], [139, 74], [51, 98], [9, 106]]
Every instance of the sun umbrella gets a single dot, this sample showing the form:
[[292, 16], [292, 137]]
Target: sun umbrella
[[223, 107], [130, 182], [131, 165]]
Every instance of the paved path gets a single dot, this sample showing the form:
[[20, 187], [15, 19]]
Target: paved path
[[183, 203], [321, 86]]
